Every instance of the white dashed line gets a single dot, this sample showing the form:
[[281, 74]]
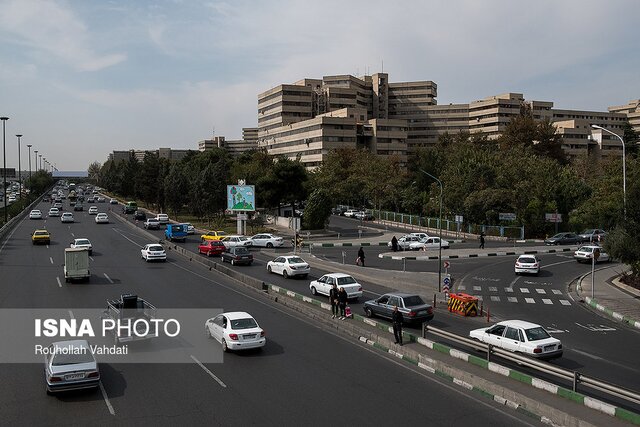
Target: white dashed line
[[493, 289], [51, 259], [547, 301], [541, 291], [71, 314], [91, 258], [106, 399], [108, 278], [73, 235], [495, 298], [564, 302], [59, 283], [211, 374], [512, 299], [530, 301], [47, 246], [524, 290]]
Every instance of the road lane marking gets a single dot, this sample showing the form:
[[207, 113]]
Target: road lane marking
[[495, 298], [558, 263], [462, 287], [547, 301], [211, 374], [73, 235], [71, 314], [524, 290], [493, 289], [47, 246], [512, 299], [477, 288], [530, 301], [106, 399], [564, 302], [599, 328], [51, 259], [541, 291], [556, 291], [108, 278], [510, 290], [59, 282], [91, 258]]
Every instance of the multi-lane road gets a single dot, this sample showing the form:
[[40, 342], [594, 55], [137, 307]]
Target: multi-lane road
[[304, 375]]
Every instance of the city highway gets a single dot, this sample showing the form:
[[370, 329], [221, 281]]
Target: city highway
[[593, 345], [305, 375]]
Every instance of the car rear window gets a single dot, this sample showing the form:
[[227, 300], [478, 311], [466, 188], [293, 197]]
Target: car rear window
[[156, 248], [296, 260], [61, 359], [241, 251], [346, 280], [82, 242], [535, 334], [527, 260], [243, 323], [412, 301]]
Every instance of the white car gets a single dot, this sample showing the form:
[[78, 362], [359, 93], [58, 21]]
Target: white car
[[190, 228], [289, 266], [66, 217], [102, 218], [428, 243], [527, 264], [585, 253], [351, 213], [35, 214], [113, 202], [235, 330], [153, 252], [163, 218], [70, 365], [420, 235], [324, 284], [405, 241], [82, 244], [266, 241], [235, 241], [520, 336], [54, 212], [93, 210]]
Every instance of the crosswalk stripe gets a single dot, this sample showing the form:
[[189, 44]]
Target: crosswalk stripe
[[556, 291], [541, 291], [546, 301], [493, 289], [495, 298], [530, 300], [524, 290], [508, 289], [477, 288], [512, 299], [564, 302], [479, 297], [462, 287]]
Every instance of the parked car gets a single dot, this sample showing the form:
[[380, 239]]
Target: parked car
[[153, 252], [266, 241], [527, 264], [236, 330], [82, 244], [93, 210], [237, 255], [35, 214], [324, 284], [563, 239], [289, 266], [163, 218], [139, 215], [585, 253], [67, 217], [211, 247], [54, 212], [40, 236], [213, 235], [70, 365], [350, 213], [593, 235], [102, 218], [412, 307], [429, 243], [152, 224], [235, 241], [520, 336]]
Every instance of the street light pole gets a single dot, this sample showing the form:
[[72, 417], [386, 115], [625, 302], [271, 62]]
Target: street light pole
[[30, 183], [19, 170], [440, 232], [40, 155], [4, 172], [36, 162], [624, 167]]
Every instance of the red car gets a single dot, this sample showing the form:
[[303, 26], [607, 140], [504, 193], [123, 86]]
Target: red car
[[211, 247]]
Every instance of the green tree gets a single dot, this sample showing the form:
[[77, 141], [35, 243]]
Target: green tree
[[176, 188], [94, 171], [317, 211]]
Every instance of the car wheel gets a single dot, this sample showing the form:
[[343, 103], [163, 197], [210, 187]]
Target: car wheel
[[314, 291], [90, 253], [269, 269], [207, 332], [269, 245], [368, 312], [209, 253], [285, 274], [224, 346]]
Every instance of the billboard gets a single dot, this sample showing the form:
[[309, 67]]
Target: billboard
[[241, 198]]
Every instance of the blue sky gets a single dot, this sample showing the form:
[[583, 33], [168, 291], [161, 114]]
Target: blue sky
[[82, 78]]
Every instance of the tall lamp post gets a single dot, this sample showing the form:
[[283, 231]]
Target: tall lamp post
[[4, 172], [624, 167], [30, 183], [19, 170], [36, 156], [439, 231], [40, 155]]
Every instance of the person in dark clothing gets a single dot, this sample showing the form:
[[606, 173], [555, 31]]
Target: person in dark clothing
[[333, 300], [394, 244], [396, 319], [361, 256], [342, 300], [482, 240]]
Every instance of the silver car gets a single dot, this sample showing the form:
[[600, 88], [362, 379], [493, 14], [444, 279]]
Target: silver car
[[70, 365]]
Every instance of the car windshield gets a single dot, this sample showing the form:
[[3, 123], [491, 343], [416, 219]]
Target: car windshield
[[346, 280], [83, 242], [156, 248], [412, 301], [527, 260], [243, 323], [62, 359], [535, 334], [296, 260]]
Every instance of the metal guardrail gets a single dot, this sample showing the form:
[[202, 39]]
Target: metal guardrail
[[574, 377]]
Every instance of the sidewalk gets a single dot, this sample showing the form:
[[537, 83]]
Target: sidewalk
[[617, 300]]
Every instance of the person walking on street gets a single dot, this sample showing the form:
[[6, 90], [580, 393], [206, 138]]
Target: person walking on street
[[396, 319], [482, 240], [361, 256], [394, 244], [333, 300], [342, 300]]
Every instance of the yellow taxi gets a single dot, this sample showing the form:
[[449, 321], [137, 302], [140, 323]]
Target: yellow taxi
[[213, 235], [41, 236]]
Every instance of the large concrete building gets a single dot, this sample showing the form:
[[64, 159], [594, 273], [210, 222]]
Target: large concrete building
[[163, 153], [248, 142]]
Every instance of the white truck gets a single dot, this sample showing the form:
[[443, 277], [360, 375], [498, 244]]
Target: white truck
[[76, 264]]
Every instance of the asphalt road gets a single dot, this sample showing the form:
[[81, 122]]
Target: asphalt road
[[305, 375]]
